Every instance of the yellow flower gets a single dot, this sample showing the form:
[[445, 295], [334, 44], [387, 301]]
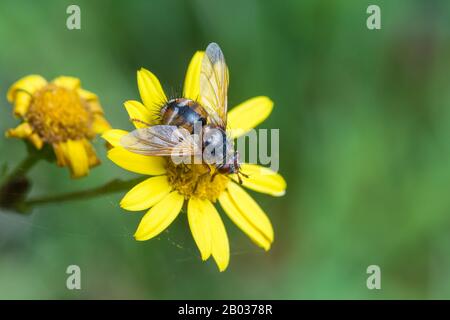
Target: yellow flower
[[59, 113], [166, 192]]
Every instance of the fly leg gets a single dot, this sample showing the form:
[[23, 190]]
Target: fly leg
[[239, 174], [214, 175], [244, 175], [140, 121]]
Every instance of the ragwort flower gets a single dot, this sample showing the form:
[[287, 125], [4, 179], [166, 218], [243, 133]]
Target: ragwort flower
[[172, 186], [61, 114]]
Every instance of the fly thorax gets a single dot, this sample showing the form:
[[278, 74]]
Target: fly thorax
[[215, 145]]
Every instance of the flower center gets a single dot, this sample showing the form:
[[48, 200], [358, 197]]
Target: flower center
[[195, 180], [58, 114]]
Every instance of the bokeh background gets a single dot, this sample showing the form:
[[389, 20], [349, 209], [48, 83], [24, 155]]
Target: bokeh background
[[364, 119]]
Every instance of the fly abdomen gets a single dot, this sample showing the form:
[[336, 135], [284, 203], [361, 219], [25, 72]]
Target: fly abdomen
[[183, 113]]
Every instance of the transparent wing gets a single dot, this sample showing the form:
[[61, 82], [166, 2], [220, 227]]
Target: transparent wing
[[161, 140], [214, 81]]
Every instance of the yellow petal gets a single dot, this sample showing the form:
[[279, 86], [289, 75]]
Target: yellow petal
[[137, 111], [238, 218], [113, 136], [59, 150], [87, 95], [23, 130], [76, 157], [150, 90], [36, 141], [248, 115], [220, 248], [146, 194], [137, 163], [100, 124], [93, 160], [70, 83], [159, 217], [95, 107], [21, 103], [247, 215], [28, 84], [199, 225], [191, 88], [262, 180]]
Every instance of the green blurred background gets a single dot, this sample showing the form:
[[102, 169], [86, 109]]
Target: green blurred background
[[364, 124]]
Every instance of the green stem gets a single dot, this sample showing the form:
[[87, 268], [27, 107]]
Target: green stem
[[113, 186], [21, 169], [15, 185]]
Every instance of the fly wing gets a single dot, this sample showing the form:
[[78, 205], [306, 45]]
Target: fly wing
[[161, 140], [214, 80]]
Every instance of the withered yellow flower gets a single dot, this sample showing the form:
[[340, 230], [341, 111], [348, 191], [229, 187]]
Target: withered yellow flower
[[172, 186], [59, 113]]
